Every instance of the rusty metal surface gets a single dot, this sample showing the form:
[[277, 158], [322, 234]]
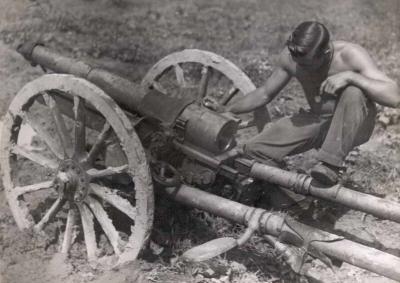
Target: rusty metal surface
[[166, 109], [126, 93], [132, 98], [208, 130]]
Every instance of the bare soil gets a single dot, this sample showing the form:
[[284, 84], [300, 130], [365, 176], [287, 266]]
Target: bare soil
[[128, 37]]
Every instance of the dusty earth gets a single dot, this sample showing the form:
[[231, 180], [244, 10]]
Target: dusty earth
[[128, 36]]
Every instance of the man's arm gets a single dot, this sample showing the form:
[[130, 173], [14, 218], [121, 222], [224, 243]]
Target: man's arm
[[263, 95], [366, 76]]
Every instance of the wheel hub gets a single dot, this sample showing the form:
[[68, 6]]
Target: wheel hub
[[71, 180]]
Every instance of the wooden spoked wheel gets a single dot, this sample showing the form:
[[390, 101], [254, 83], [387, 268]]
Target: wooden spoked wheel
[[61, 184], [204, 74]]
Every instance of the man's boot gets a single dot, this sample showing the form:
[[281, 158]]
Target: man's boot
[[325, 174]]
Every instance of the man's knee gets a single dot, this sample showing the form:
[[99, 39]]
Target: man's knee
[[353, 95], [252, 150]]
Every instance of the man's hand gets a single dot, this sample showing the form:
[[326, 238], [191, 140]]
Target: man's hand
[[212, 104], [335, 83]]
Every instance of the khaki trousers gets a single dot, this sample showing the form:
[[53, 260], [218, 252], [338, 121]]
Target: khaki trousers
[[335, 134]]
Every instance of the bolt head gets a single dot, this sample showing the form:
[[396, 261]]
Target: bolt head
[[78, 197]]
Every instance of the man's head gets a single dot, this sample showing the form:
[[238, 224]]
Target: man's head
[[309, 44]]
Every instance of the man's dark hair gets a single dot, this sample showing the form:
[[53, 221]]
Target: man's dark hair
[[307, 37]]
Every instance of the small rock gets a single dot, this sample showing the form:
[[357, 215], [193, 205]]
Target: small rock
[[146, 266], [155, 248], [384, 120], [89, 276], [132, 24], [208, 273], [238, 267], [58, 266]]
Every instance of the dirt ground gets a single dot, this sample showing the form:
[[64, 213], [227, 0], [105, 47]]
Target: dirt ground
[[128, 37]]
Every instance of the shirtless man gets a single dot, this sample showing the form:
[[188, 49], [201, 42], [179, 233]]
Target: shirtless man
[[341, 84]]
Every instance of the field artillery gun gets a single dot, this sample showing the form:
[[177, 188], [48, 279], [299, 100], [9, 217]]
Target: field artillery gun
[[102, 141]]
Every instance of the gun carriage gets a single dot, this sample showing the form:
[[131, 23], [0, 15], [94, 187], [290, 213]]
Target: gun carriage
[[103, 141]]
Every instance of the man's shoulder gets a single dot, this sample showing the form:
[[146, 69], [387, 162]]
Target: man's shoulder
[[350, 56], [285, 60], [348, 51]]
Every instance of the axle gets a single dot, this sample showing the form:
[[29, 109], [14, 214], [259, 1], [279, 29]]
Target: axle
[[275, 224]]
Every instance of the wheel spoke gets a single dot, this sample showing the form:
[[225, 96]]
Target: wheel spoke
[[56, 206], [88, 230], [180, 77], [106, 223], [246, 124], [205, 75], [109, 171], [80, 126], [17, 191], [60, 123], [157, 86], [99, 144], [227, 97], [111, 196], [69, 231], [35, 157], [45, 136]]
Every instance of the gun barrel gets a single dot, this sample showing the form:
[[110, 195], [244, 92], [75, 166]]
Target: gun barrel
[[301, 183], [127, 94], [273, 223], [198, 126]]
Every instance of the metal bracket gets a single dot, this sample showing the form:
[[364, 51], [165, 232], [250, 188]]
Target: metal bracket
[[179, 127], [244, 165]]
